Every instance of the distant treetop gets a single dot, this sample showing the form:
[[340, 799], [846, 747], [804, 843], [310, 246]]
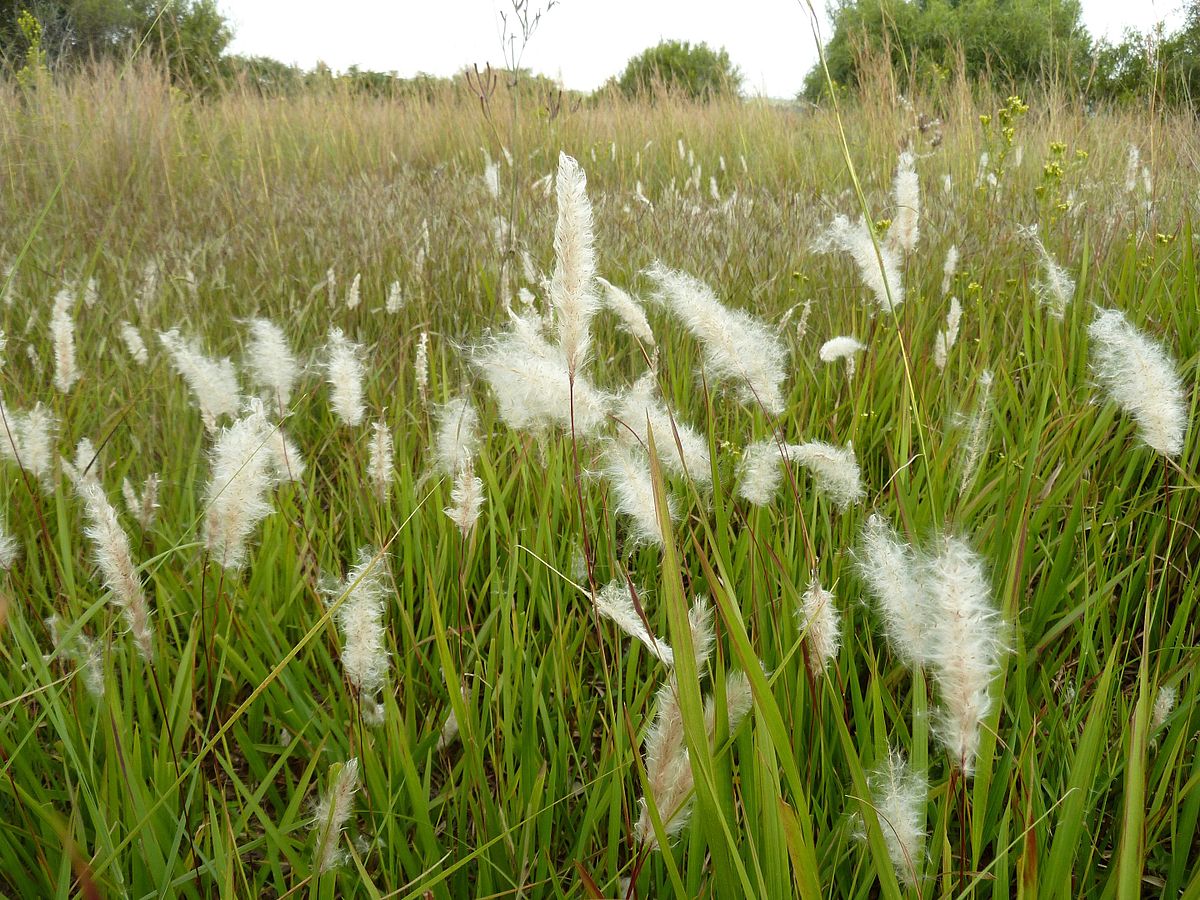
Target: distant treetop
[[694, 70]]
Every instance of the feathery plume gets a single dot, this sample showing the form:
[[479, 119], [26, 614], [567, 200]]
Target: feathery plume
[[530, 380], [91, 292], [802, 322], [888, 566], [977, 431], [421, 367], [380, 464], [947, 337], [1164, 701], [1141, 379], [630, 313], [1054, 287], [466, 499], [842, 347], [344, 371], [949, 267], [628, 472], [143, 507], [395, 299], [964, 645], [10, 547], [639, 407], [878, 265], [572, 294], [83, 651], [1133, 162], [28, 440], [360, 618], [759, 474], [212, 382], [615, 603], [491, 178], [834, 469], [8, 288], [271, 363], [906, 192], [331, 813], [822, 627], [236, 497], [86, 465], [134, 344], [457, 438], [331, 285], [354, 292], [115, 560], [737, 346], [62, 330], [286, 463], [899, 795]]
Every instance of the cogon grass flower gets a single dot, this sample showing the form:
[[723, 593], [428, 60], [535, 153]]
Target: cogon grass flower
[[466, 499], [212, 382], [683, 450], [947, 337], [821, 624], [949, 267], [615, 603], [134, 344], [1054, 287], [361, 598], [270, 362], [977, 431], [27, 438], [835, 470], [395, 299], [62, 331], [421, 367], [10, 546], [758, 471], [629, 313], [236, 496], [878, 264], [457, 437], [572, 291], [628, 471], [380, 465], [906, 192], [83, 651], [144, 506], [331, 813], [354, 292], [344, 371], [1164, 701], [115, 560], [1140, 377], [899, 795], [889, 567], [842, 347], [737, 347]]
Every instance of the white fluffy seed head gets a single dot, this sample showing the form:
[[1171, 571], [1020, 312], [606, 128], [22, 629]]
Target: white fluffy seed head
[[947, 337], [572, 290], [395, 299], [380, 464], [10, 547], [628, 311], [949, 267], [1140, 377], [977, 431], [456, 440], [62, 332], [466, 499], [344, 370], [888, 566], [878, 265], [899, 795], [834, 469], [615, 603], [906, 192], [362, 596], [330, 815], [270, 362], [759, 473], [243, 469], [132, 339], [640, 406], [738, 347], [421, 367], [1164, 701], [964, 645], [1054, 287], [822, 627], [628, 473], [27, 438], [143, 507], [212, 382], [354, 292]]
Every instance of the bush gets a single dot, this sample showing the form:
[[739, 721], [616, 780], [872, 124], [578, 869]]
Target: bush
[[698, 72]]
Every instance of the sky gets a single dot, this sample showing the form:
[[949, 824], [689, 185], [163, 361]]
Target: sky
[[579, 42]]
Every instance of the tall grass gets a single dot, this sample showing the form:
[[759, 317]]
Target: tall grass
[[201, 771]]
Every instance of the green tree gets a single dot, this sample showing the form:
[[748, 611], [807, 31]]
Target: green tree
[[697, 71], [1009, 42], [1153, 62]]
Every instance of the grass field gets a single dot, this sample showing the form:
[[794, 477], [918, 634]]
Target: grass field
[[195, 768]]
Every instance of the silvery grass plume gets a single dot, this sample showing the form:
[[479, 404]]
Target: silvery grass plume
[[456, 440], [1054, 287], [86, 465], [62, 331], [889, 568], [964, 644], [421, 367], [286, 462], [134, 344], [115, 560], [821, 625], [737, 347], [668, 768], [628, 311], [330, 815], [686, 456], [842, 347], [572, 291], [331, 285], [531, 383], [949, 267], [83, 651], [91, 292], [878, 265], [1164, 701], [380, 464], [899, 795], [344, 371], [834, 469], [8, 285], [270, 362], [759, 473], [243, 471], [362, 596], [906, 193], [212, 382], [491, 178], [1140, 377], [948, 336], [395, 299], [354, 292], [143, 507], [27, 439], [10, 546], [466, 499], [615, 603], [1133, 162], [628, 471], [977, 431]]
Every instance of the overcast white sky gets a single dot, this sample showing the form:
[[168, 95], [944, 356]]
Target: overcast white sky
[[580, 42]]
